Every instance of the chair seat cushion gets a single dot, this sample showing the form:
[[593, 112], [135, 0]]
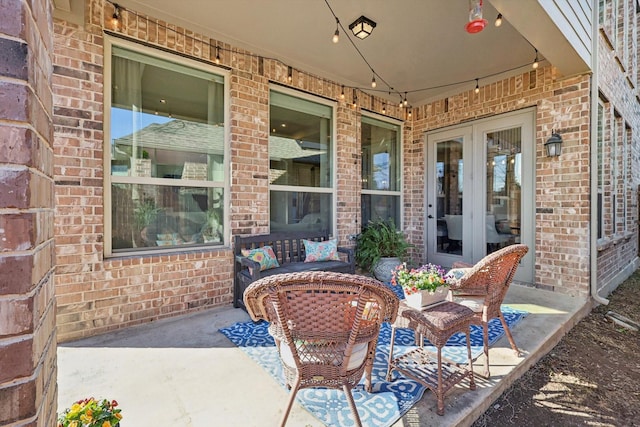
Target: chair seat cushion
[[358, 355]]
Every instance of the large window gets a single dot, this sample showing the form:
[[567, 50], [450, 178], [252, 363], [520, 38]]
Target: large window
[[381, 171], [300, 164], [166, 153]]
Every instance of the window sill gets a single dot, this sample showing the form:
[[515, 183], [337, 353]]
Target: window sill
[[165, 252], [607, 242]]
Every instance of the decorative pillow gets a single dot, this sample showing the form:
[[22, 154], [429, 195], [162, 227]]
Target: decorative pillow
[[264, 255], [457, 273], [321, 251]]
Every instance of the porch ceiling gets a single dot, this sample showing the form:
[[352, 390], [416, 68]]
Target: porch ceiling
[[418, 46]]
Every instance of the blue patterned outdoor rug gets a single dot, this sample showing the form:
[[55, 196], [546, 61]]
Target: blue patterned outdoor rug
[[389, 400]]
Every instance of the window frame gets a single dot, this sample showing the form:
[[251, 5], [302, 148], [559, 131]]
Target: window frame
[[332, 190], [161, 55], [400, 168]]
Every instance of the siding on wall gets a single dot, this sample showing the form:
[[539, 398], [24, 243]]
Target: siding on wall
[[561, 30], [573, 18]]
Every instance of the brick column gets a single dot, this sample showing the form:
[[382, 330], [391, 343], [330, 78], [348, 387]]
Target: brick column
[[27, 302]]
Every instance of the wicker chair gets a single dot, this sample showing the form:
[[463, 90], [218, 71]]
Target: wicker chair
[[325, 325], [483, 286]]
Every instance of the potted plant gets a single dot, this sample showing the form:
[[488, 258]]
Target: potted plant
[[91, 413], [380, 248], [145, 213], [422, 286]]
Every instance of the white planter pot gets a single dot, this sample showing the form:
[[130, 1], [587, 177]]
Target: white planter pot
[[423, 299]]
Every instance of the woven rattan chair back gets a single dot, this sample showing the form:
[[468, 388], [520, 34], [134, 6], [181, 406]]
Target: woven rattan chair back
[[487, 282], [325, 325]]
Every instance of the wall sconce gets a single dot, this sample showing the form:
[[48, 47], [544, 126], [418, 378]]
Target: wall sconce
[[553, 146], [362, 27]]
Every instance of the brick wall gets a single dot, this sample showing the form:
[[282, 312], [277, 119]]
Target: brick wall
[[617, 84], [27, 303], [562, 183], [96, 295]]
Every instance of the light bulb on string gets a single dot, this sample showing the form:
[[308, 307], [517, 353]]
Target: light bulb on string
[[115, 18], [336, 35], [373, 81], [342, 93], [289, 74], [217, 55], [405, 99], [498, 20], [535, 61], [477, 89]]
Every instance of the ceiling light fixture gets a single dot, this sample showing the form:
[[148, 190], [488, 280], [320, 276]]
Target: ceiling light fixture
[[535, 61], [405, 99], [362, 27], [498, 20], [342, 93], [373, 81], [217, 55], [477, 89], [289, 74], [336, 35]]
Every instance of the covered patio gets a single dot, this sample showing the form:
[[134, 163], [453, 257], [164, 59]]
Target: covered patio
[[183, 372]]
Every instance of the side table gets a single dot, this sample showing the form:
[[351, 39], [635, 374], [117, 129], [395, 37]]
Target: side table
[[437, 323]]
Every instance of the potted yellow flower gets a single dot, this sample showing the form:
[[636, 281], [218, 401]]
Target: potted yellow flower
[[422, 286], [91, 413]]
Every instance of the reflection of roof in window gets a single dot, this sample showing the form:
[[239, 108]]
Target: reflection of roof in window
[[287, 148], [178, 135]]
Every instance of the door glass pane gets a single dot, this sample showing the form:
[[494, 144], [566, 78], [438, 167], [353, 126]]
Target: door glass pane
[[504, 182], [449, 166]]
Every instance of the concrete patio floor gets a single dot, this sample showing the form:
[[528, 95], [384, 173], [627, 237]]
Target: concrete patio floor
[[182, 372]]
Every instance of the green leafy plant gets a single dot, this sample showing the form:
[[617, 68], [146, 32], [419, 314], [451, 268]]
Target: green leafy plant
[[91, 413], [429, 277], [145, 213], [380, 239]]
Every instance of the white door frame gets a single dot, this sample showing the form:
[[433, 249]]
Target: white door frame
[[474, 183]]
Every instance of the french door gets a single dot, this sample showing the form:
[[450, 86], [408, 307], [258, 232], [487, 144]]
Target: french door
[[480, 190]]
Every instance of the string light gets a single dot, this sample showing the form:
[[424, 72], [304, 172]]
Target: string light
[[498, 20], [373, 81], [115, 18], [336, 35], [384, 108], [116, 22], [477, 89]]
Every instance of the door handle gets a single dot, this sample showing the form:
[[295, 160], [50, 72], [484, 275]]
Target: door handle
[[430, 216]]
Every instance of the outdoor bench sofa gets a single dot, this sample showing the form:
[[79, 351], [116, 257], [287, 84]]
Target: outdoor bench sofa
[[289, 250]]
